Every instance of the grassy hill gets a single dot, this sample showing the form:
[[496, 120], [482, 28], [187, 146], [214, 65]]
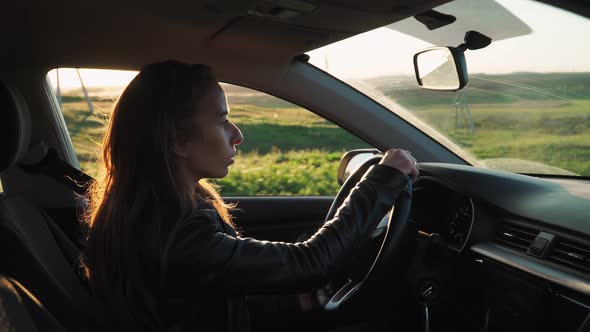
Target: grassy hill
[[485, 89], [543, 118]]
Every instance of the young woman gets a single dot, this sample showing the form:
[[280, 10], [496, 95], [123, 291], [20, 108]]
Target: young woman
[[162, 253]]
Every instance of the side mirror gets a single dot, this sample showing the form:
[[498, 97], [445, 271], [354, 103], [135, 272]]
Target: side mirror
[[441, 68], [351, 161]]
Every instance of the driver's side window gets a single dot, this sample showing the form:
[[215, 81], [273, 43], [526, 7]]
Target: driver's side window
[[287, 149]]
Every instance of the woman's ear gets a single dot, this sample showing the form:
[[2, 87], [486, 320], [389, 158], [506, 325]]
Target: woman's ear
[[181, 150]]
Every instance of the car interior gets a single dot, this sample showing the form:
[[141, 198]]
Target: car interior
[[469, 248]]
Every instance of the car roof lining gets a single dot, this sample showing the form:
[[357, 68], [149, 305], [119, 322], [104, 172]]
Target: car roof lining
[[127, 38]]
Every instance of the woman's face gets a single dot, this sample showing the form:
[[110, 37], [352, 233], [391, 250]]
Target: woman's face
[[209, 151]]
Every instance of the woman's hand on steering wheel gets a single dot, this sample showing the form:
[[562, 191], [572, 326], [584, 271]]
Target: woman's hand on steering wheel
[[402, 160], [393, 241]]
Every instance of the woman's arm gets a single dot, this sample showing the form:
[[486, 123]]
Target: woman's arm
[[203, 254]]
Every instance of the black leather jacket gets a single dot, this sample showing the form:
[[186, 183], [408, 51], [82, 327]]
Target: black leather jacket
[[210, 269]]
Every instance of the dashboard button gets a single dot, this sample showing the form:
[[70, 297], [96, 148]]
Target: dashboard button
[[538, 246]]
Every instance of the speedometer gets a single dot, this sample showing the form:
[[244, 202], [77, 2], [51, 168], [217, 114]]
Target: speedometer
[[460, 223]]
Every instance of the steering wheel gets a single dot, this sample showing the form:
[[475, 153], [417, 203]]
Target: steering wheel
[[398, 230]]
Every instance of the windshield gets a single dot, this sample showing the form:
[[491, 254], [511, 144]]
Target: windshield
[[526, 108]]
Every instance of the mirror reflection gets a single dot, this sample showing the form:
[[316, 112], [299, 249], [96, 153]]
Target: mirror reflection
[[437, 69], [355, 162]]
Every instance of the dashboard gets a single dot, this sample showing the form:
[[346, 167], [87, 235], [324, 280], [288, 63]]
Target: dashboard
[[517, 246]]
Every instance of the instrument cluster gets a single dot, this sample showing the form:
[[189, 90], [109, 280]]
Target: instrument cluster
[[437, 208]]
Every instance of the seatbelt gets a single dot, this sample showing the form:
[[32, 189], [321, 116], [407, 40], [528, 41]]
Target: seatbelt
[[60, 171]]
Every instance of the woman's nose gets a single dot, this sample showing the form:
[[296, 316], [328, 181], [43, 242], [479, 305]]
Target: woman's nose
[[237, 137]]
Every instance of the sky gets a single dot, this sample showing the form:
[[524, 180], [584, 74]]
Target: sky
[[558, 43]]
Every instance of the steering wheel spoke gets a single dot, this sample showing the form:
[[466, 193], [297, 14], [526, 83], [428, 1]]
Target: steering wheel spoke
[[341, 296]]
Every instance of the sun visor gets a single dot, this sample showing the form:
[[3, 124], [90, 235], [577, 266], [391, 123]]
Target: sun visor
[[485, 16]]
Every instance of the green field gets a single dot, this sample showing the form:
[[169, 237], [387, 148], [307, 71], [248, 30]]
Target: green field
[[289, 151], [551, 133], [542, 118]]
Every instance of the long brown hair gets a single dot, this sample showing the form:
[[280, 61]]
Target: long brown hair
[[137, 203]]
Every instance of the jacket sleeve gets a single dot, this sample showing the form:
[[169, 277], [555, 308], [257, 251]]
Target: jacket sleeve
[[203, 254]]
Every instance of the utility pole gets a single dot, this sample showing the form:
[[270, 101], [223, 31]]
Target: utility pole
[[88, 101], [463, 111]]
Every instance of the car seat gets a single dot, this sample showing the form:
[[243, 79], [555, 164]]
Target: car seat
[[33, 250], [20, 311]]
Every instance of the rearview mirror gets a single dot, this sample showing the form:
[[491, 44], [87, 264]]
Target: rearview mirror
[[441, 68], [351, 161]]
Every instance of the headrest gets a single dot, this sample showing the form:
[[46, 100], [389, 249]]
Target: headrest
[[15, 127]]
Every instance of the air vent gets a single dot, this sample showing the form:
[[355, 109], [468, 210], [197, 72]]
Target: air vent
[[571, 254], [516, 237]]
